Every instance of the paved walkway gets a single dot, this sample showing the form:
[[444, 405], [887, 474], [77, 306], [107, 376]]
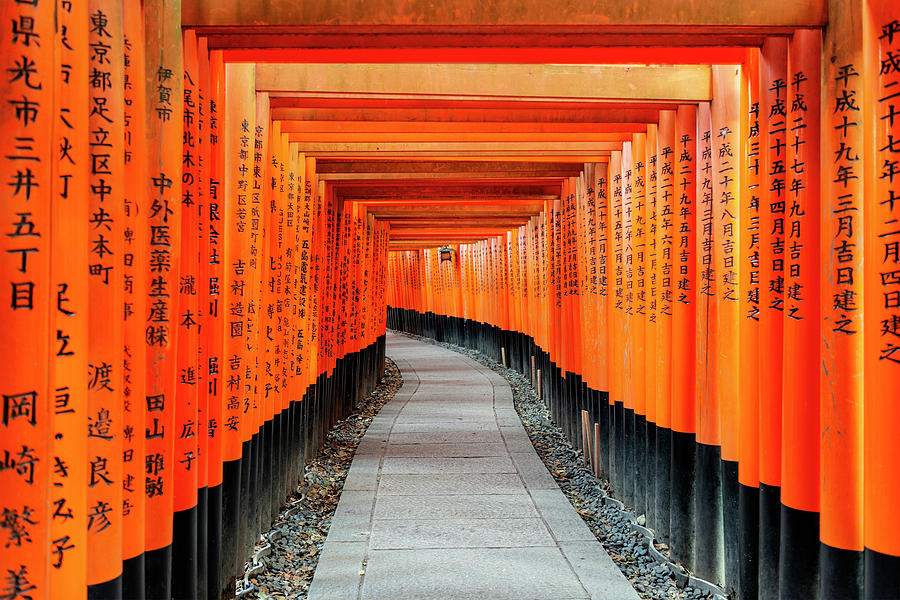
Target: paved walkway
[[447, 499]]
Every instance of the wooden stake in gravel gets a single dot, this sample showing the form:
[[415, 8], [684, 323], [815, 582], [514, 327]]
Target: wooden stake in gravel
[[586, 438], [596, 453]]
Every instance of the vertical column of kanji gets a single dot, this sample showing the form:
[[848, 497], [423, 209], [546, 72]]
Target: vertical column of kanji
[[294, 392], [134, 260], [601, 267], [800, 403], [203, 317], [184, 542], [651, 318], [630, 386], [239, 104], [162, 28], [67, 495], [616, 322], [106, 227], [640, 252], [666, 276], [27, 53], [304, 295], [773, 94], [841, 378], [708, 504], [556, 329], [684, 319], [273, 332], [729, 132], [211, 286], [574, 309], [882, 299], [748, 412], [586, 220], [254, 376], [281, 217]]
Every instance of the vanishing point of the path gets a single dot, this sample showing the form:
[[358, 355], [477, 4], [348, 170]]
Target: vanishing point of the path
[[446, 498]]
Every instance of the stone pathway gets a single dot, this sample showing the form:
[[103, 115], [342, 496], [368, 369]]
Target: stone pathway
[[447, 499]]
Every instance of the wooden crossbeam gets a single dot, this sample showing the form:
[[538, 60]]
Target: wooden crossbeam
[[658, 82], [373, 16]]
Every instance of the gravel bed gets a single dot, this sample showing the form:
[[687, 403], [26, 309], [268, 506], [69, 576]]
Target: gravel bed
[[286, 556], [589, 495]]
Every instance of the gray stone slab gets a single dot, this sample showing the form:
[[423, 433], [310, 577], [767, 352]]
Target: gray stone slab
[[461, 506], [533, 471], [363, 474], [597, 572], [353, 518], [560, 517], [493, 464], [439, 437], [459, 533], [447, 427], [455, 483], [447, 449], [470, 574], [516, 439], [507, 417], [337, 574]]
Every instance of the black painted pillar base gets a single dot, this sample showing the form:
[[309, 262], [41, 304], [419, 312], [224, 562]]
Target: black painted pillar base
[[798, 554], [731, 525], [663, 488], [158, 579], [882, 575], [748, 509], [184, 554], [682, 480], [133, 578], [214, 541], [709, 550], [842, 576], [769, 539]]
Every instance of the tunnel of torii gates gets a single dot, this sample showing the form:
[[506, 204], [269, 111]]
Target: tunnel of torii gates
[[685, 215]]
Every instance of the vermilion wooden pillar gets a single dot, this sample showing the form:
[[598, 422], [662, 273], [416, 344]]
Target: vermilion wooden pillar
[[136, 255], [68, 308], [651, 319], [708, 499], [164, 74], [773, 124], [616, 323], [753, 142], [236, 131], [728, 132], [106, 231], [212, 284], [639, 254], [841, 393], [186, 451], [668, 237], [882, 301], [800, 386], [682, 476]]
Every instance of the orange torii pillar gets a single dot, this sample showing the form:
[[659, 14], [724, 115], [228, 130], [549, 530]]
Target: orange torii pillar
[[798, 557], [27, 304], [69, 308], [106, 192], [746, 578], [136, 252], [682, 476], [881, 355], [666, 272], [164, 106], [773, 126]]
